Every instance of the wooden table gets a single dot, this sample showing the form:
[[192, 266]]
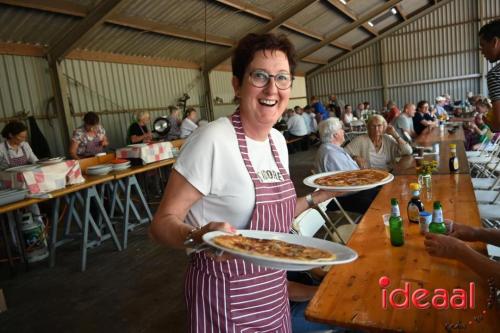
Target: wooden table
[[350, 295], [407, 164], [434, 134]]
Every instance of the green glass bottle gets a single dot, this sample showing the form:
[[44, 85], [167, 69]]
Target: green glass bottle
[[437, 225], [396, 225]]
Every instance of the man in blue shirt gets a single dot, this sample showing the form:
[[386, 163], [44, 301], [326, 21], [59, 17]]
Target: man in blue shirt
[[319, 108], [332, 157]]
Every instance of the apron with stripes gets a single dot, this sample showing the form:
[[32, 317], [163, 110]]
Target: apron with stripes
[[238, 296], [16, 161]]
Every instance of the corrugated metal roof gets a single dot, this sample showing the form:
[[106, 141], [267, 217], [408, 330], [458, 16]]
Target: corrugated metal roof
[[190, 17]]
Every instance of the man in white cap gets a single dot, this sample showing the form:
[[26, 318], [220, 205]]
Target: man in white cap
[[440, 111]]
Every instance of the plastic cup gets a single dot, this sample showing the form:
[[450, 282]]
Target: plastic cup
[[424, 220], [386, 218]]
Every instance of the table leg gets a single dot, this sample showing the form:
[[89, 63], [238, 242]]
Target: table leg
[[131, 182], [53, 234], [7, 246]]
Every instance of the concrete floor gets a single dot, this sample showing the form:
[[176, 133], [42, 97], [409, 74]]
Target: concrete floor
[[136, 290]]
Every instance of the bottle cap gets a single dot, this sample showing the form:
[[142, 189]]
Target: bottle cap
[[394, 201], [415, 186], [453, 146], [437, 204]]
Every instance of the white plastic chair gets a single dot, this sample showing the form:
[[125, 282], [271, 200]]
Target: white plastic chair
[[487, 196]]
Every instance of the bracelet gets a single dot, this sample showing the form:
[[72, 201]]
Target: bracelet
[[310, 201], [189, 240]]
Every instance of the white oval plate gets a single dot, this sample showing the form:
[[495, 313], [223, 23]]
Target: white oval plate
[[48, 161], [22, 168], [99, 166], [343, 253], [138, 145], [309, 181], [98, 172]]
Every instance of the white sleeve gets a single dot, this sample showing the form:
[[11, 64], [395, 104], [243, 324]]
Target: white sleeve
[[195, 161], [29, 152]]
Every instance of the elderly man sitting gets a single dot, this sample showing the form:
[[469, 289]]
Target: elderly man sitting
[[380, 147], [332, 157]]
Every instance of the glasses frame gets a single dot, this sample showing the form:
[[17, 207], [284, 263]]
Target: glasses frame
[[292, 78]]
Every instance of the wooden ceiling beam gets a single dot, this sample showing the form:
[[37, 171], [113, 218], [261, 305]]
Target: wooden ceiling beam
[[362, 19], [276, 22], [22, 49], [401, 12], [314, 61], [257, 12], [52, 6], [166, 30], [350, 14], [93, 20]]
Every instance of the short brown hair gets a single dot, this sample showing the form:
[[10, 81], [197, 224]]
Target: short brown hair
[[252, 43], [13, 128], [91, 119]]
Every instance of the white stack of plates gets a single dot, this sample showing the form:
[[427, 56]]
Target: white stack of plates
[[99, 170], [121, 166], [51, 160]]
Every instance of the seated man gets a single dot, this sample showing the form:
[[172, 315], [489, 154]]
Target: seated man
[[332, 157], [404, 123]]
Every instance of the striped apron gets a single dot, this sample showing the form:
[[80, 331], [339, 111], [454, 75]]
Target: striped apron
[[16, 161], [238, 296]]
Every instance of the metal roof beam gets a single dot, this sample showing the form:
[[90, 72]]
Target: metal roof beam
[[349, 13], [53, 6], [349, 27], [401, 12], [276, 22], [94, 19], [257, 12], [314, 61], [413, 18]]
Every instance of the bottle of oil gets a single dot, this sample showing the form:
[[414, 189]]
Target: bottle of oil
[[415, 206], [453, 163]]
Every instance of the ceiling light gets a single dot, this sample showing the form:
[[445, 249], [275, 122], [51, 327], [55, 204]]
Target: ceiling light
[[394, 11], [370, 24], [344, 2]]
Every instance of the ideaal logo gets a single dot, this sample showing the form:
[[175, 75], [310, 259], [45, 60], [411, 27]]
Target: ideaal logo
[[404, 298]]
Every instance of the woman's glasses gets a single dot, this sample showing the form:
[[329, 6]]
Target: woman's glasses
[[260, 79]]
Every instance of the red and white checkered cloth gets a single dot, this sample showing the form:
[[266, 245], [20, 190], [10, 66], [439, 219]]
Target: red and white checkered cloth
[[46, 178], [148, 153]]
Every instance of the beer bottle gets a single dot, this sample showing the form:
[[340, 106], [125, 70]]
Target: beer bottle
[[437, 225], [453, 163], [396, 225], [415, 206]]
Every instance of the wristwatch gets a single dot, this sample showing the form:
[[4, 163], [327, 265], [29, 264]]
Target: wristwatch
[[189, 241], [310, 200]]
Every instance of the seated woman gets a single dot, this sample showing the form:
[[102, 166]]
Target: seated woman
[[88, 139], [138, 132], [189, 123], [423, 118], [347, 116], [380, 147], [175, 123], [476, 132], [15, 151]]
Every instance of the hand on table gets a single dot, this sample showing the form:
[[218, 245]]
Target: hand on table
[[461, 231], [443, 246]]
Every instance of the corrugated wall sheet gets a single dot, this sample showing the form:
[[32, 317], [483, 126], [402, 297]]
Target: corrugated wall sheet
[[434, 55], [25, 86], [115, 90]]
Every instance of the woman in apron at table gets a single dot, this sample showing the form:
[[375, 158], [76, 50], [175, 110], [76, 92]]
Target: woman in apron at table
[[233, 174], [15, 151], [138, 132], [88, 139]]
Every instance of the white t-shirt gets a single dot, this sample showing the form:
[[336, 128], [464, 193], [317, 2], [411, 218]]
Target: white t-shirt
[[210, 160], [378, 160], [187, 127], [297, 125]]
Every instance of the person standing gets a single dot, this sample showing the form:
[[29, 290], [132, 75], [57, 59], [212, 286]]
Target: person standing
[[319, 108], [233, 174], [489, 43]]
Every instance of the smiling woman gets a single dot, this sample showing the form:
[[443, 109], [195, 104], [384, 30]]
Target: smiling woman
[[233, 174]]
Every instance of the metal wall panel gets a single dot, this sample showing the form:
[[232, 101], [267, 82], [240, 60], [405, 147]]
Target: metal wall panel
[[434, 55], [103, 87], [25, 86]]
